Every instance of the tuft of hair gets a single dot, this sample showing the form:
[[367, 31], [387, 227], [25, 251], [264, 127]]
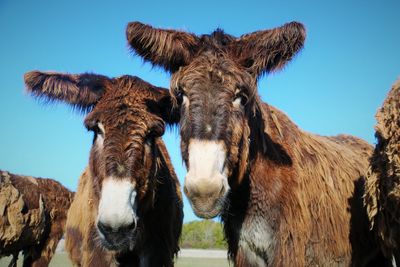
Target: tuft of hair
[[217, 39]]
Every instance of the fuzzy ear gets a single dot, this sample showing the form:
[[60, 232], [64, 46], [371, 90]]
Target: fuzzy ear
[[165, 106], [81, 91], [269, 50], [169, 49]]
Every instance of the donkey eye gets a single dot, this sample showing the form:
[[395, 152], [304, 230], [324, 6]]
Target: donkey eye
[[237, 100], [240, 98], [179, 97], [179, 94], [97, 128], [149, 140]]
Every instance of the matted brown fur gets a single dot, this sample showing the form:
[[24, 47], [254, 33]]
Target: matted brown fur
[[127, 116], [33, 212], [310, 201], [295, 198], [382, 197]]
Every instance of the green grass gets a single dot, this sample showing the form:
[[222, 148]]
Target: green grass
[[61, 260], [204, 234], [201, 262]]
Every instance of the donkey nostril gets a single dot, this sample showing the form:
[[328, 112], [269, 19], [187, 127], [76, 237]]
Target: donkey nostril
[[108, 231], [222, 190], [132, 226], [104, 229]]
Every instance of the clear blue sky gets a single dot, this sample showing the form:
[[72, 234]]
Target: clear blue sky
[[335, 85]]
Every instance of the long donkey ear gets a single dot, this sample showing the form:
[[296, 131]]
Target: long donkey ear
[[82, 91], [169, 49], [269, 50]]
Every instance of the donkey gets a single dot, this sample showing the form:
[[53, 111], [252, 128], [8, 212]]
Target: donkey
[[128, 206], [33, 212], [286, 197]]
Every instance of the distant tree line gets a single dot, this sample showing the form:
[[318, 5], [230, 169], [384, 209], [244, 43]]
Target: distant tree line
[[205, 234]]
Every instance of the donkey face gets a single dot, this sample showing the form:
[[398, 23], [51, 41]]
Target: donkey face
[[127, 118], [214, 93], [214, 78]]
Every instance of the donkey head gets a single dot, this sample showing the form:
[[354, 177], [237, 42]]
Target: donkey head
[[214, 77], [127, 118]]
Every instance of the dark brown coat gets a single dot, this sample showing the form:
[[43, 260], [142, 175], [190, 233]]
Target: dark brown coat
[[33, 212]]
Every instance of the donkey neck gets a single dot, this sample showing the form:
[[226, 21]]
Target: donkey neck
[[272, 132], [266, 137], [268, 172]]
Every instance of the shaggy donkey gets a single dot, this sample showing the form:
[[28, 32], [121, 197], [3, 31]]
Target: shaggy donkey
[[33, 212], [382, 197], [286, 197], [128, 207]]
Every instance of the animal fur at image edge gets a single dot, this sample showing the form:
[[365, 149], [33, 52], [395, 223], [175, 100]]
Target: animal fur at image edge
[[33, 212], [382, 197]]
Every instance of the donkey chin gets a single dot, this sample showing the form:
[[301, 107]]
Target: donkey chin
[[207, 208], [206, 198], [120, 240]]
